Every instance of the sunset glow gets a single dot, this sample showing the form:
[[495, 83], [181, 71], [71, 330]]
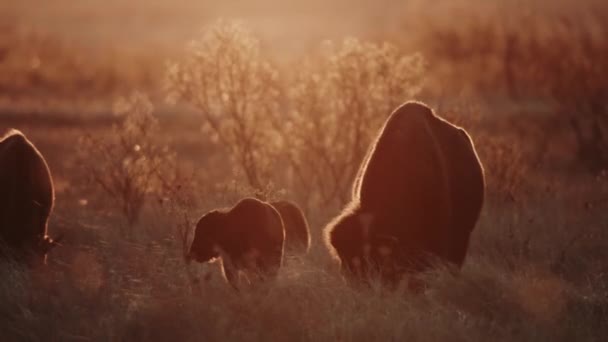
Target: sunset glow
[[266, 170]]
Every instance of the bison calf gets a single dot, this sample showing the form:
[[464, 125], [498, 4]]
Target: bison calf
[[297, 234], [26, 200], [248, 238], [416, 200]]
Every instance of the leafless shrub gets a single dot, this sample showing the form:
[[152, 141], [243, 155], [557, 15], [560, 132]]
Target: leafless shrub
[[340, 99], [323, 126], [126, 163], [227, 79], [176, 196]]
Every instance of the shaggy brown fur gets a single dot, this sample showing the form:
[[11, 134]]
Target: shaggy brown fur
[[248, 238], [417, 199], [26, 200], [297, 234]]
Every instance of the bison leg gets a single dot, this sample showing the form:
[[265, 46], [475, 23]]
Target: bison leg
[[232, 276], [230, 272], [271, 263]]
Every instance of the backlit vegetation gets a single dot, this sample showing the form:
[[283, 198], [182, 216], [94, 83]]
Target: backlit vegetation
[[525, 80], [226, 78], [335, 103], [127, 163]]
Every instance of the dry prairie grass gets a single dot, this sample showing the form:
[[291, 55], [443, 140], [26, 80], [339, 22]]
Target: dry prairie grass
[[526, 81]]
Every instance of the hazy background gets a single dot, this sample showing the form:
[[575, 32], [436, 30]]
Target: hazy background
[[162, 25], [89, 82]]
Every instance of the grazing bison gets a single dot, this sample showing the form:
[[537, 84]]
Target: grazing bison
[[248, 238], [416, 200], [297, 234], [26, 200]]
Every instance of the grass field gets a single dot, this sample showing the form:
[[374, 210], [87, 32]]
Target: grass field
[[151, 113]]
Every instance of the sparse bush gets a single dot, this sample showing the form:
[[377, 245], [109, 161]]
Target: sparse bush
[[125, 162], [320, 131], [176, 195], [340, 99], [228, 80]]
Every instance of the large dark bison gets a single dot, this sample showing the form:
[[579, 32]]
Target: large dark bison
[[26, 200], [248, 238], [297, 234], [415, 202]]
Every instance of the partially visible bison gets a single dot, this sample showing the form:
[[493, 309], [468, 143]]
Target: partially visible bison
[[415, 202], [26, 200], [297, 234], [248, 238]]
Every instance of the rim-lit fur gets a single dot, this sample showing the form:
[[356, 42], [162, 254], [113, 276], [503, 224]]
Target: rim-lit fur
[[248, 238], [416, 199], [26, 200], [297, 233]]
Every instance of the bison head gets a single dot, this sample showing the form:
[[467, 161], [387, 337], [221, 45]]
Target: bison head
[[363, 252], [348, 239], [34, 252], [203, 247]]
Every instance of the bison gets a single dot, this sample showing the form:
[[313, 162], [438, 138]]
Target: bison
[[416, 199], [297, 234], [248, 238], [26, 200]]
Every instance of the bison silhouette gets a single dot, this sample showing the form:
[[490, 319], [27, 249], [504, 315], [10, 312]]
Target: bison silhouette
[[297, 233], [416, 199], [248, 238], [26, 200]]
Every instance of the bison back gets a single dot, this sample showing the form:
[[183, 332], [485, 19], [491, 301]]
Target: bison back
[[405, 185], [467, 185], [27, 192], [258, 225]]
